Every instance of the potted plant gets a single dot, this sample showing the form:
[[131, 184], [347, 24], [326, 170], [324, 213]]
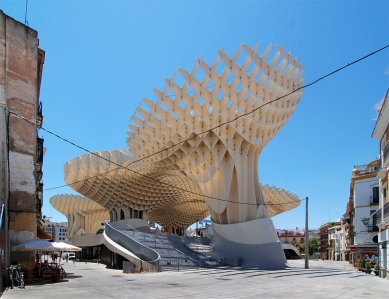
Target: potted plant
[[356, 265], [368, 268], [376, 269], [362, 265]]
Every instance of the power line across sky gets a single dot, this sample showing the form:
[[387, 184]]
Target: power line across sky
[[95, 75], [193, 136]]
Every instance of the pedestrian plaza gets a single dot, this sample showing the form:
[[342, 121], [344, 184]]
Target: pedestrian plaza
[[324, 279]]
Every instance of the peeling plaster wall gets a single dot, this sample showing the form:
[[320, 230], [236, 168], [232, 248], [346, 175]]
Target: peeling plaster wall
[[22, 177], [19, 89]]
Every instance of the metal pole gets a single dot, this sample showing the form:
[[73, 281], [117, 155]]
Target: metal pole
[[306, 234], [5, 182]]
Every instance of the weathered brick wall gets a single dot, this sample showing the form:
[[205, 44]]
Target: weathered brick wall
[[19, 90]]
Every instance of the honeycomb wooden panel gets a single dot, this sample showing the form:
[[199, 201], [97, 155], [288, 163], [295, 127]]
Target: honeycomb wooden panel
[[187, 171]]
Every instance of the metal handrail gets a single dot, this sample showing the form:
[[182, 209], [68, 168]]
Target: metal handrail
[[2, 217], [157, 241], [142, 255]]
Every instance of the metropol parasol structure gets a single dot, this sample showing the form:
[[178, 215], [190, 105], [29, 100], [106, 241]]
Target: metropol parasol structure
[[193, 152]]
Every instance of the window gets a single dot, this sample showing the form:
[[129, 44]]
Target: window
[[376, 195]]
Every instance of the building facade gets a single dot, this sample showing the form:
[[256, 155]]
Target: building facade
[[339, 242], [381, 218], [334, 232], [293, 236], [348, 227], [21, 149], [365, 196], [58, 230], [323, 241], [331, 241]]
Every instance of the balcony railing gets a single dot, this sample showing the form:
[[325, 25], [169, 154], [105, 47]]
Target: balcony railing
[[367, 168], [360, 167], [39, 116], [39, 198], [385, 153], [377, 218], [39, 150], [39, 159], [386, 210]]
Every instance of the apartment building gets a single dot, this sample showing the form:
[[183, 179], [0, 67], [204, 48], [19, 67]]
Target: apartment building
[[381, 218], [58, 230], [365, 199]]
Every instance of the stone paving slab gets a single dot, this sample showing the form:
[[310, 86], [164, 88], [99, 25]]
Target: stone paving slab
[[324, 279]]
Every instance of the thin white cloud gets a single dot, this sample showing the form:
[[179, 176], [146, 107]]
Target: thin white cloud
[[378, 106]]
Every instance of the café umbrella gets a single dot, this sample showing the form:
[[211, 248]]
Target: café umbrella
[[62, 246], [32, 245]]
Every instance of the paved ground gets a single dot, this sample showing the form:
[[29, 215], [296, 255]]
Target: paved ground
[[325, 279]]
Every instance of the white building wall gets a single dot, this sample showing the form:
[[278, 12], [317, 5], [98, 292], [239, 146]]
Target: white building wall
[[363, 197], [57, 229], [383, 238]]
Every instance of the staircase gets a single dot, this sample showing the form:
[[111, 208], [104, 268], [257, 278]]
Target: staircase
[[175, 253]]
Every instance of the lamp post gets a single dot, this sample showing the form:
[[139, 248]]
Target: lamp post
[[306, 234], [365, 221]]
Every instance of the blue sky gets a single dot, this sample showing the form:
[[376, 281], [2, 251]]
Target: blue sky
[[103, 57]]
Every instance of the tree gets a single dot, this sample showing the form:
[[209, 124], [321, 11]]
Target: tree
[[313, 245], [300, 247]]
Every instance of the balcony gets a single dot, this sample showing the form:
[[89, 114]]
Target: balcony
[[39, 150], [39, 116], [385, 155], [366, 168], [377, 218], [39, 158], [386, 211]]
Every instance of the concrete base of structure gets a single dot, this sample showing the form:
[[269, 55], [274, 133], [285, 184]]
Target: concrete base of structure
[[251, 244]]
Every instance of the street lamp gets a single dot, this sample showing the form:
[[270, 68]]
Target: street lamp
[[365, 221], [306, 234]]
